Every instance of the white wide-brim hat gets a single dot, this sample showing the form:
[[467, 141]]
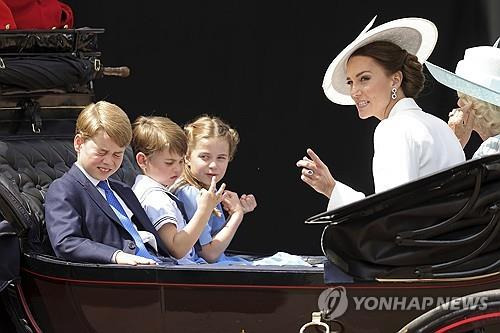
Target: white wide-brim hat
[[476, 75], [415, 35]]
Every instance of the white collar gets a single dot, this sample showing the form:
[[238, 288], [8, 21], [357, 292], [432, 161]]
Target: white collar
[[93, 180], [406, 103], [150, 181]]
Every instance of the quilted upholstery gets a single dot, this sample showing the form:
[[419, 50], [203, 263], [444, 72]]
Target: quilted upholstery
[[27, 168]]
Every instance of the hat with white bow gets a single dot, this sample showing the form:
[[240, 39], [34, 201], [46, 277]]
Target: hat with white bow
[[415, 35]]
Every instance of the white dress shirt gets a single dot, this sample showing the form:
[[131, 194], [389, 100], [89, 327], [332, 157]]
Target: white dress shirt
[[408, 144], [146, 236]]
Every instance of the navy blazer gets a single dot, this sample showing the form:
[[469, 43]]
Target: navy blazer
[[81, 225]]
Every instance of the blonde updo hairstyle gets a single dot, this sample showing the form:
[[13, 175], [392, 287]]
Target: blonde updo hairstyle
[[487, 115]]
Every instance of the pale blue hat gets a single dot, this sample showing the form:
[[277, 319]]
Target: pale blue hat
[[477, 74]]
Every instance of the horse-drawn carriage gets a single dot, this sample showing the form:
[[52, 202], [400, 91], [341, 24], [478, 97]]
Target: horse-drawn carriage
[[406, 250]]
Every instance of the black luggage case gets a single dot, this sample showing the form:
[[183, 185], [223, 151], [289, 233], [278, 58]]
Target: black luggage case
[[46, 78]]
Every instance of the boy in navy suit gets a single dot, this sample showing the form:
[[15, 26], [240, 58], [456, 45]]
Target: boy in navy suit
[[89, 217]]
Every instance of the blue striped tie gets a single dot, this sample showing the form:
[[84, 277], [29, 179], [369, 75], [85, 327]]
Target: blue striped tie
[[127, 224]]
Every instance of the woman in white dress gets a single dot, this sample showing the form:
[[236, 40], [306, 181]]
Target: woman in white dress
[[380, 73]]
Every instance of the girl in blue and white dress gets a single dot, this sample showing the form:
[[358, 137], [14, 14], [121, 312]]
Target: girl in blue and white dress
[[211, 146]]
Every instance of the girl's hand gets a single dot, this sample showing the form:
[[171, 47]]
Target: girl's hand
[[248, 203], [232, 203], [316, 174], [208, 199], [461, 121]]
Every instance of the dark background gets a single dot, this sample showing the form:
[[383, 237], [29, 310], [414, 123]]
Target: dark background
[[259, 66]]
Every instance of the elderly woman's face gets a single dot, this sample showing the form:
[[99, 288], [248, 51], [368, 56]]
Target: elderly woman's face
[[370, 87]]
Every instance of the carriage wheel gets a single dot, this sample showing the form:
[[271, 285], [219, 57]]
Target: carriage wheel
[[479, 312]]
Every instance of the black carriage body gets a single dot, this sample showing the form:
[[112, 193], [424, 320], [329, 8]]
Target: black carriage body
[[445, 225], [47, 294], [82, 298]]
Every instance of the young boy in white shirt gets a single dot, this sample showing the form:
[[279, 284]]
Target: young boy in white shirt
[[159, 146]]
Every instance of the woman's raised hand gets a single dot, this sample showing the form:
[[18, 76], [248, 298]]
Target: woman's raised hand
[[316, 174], [461, 121]]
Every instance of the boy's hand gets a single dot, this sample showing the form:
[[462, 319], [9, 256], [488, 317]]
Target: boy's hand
[[123, 258], [248, 203], [208, 199]]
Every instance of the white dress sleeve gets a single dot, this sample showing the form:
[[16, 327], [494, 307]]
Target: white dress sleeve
[[343, 195]]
